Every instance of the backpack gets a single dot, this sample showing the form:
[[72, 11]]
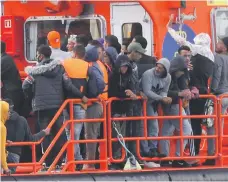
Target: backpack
[[208, 110]]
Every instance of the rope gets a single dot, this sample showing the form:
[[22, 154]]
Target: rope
[[121, 140]]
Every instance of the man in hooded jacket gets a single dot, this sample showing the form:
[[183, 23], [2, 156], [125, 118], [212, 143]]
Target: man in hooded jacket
[[203, 62], [121, 85], [96, 87], [155, 85], [178, 89]]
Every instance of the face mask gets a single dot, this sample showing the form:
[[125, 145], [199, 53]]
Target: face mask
[[38, 59]]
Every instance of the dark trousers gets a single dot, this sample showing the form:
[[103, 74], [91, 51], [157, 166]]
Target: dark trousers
[[132, 127], [197, 108], [43, 119]]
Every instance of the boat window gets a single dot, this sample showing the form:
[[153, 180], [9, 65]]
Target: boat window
[[219, 24], [36, 32], [130, 30]]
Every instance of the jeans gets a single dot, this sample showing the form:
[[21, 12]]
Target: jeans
[[211, 130], [79, 113], [13, 158], [152, 129], [170, 125]]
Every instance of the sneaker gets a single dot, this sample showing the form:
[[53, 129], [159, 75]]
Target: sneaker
[[155, 152], [180, 163], [196, 164], [209, 162], [114, 166], [57, 169], [88, 167], [79, 167], [166, 163], [193, 163], [151, 164]]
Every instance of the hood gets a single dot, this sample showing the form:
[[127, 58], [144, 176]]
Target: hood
[[123, 60], [202, 39], [177, 64], [112, 54], [14, 116], [42, 67], [101, 41], [166, 63], [4, 111], [91, 54], [203, 43]]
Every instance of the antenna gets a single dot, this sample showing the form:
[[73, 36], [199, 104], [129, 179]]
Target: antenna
[[183, 17]]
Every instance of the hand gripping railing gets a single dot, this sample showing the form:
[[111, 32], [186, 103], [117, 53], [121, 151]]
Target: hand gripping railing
[[144, 117]]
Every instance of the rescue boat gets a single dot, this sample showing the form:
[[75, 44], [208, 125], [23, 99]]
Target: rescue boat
[[25, 25]]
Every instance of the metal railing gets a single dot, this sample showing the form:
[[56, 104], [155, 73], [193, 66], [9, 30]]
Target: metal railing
[[107, 140]]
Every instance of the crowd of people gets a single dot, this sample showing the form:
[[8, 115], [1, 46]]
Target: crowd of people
[[102, 69]]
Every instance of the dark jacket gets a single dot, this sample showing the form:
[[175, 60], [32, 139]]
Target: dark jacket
[[145, 63], [11, 83], [112, 54], [49, 81], [179, 74], [202, 71], [18, 131], [96, 84], [135, 74], [219, 83], [9, 74], [118, 83]]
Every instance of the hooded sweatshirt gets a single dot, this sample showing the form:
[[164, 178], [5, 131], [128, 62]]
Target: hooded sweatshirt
[[4, 117], [219, 84], [179, 75], [96, 84], [155, 87], [18, 131], [112, 54], [118, 83]]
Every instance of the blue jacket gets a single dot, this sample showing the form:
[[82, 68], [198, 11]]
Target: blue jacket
[[96, 82]]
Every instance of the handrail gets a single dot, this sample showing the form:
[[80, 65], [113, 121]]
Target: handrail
[[221, 136], [60, 110], [106, 141], [145, 118]]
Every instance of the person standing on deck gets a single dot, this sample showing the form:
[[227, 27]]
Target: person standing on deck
[[203, 62], [219, 86]]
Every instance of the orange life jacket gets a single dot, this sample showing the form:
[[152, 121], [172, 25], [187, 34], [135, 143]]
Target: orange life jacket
[[77, 70]]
